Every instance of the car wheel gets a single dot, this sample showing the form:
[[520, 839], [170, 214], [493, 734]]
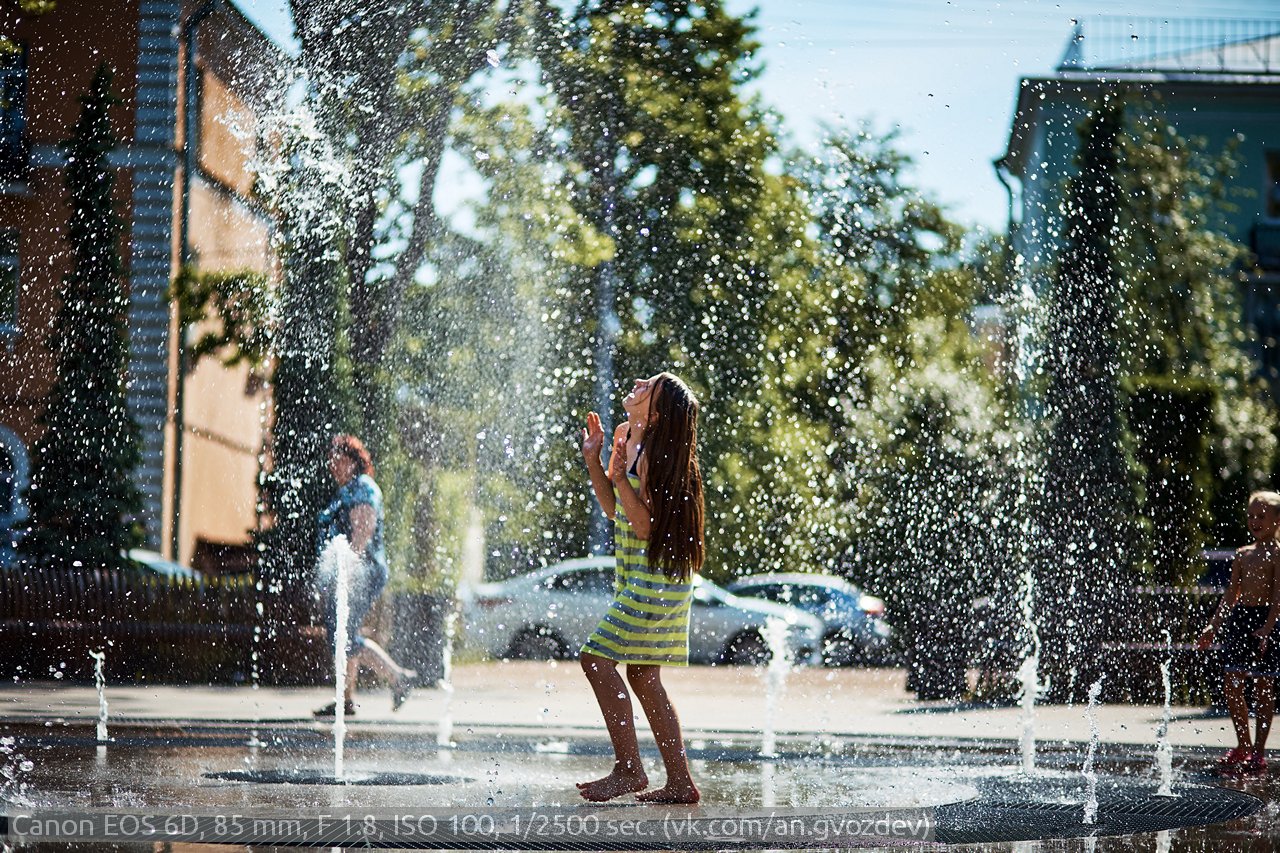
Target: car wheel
[[747, 649], [838, 650], [537, 644]]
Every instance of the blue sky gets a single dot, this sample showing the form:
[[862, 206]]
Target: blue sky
[[943, 73]]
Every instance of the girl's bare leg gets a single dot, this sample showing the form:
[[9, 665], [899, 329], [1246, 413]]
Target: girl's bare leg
[[611, 692], [1238, 707], [1265, 699], [647, 683]]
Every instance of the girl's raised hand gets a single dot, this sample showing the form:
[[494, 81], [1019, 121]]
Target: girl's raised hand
[[592, 439], [618, 461]]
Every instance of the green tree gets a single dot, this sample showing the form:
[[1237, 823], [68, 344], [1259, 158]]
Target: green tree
[[929, 448], [1181, 325], [1087, 510], [84, 502], [311, 380], [383, 80], [709, 253], [490, 375]]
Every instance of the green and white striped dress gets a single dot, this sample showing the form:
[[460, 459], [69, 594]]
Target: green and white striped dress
[[648, 621]]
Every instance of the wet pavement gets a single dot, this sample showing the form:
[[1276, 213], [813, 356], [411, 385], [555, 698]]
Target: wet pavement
[[520, 739]]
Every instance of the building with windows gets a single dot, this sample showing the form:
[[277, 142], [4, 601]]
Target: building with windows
[[186, 72], [1214, 79]]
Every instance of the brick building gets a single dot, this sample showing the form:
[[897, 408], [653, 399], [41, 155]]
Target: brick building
[[204, 429]]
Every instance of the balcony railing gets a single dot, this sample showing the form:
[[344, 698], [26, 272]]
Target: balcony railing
[[1187, 45]]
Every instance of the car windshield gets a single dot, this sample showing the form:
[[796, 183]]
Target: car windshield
[[797, 595], [582, 580], [149, 561]]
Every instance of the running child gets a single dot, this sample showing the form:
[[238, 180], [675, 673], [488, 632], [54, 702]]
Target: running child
[[1247, 617], [653, 492]]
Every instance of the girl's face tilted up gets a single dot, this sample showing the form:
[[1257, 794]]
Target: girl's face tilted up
[[637, 404], [1264, 519]]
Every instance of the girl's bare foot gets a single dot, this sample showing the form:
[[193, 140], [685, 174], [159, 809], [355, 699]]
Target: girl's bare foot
[[620, 781], [672, 793]]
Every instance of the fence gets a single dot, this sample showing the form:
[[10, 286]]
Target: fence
[[153, 628], [1158, 624]]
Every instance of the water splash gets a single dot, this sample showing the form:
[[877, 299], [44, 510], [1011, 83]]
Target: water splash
[[768, 785], [13, 765], [339, 560], [471, 574], [100, 679], [1029, 673], [444, 733], [1090, 776], [1164, 749], [776, 633]]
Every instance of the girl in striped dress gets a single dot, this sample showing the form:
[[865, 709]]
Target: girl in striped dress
[[653, 492]]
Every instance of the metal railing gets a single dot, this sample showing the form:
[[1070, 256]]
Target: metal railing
[[1186, 45], [153, 628]]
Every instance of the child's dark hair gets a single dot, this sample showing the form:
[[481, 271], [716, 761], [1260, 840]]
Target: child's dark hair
[[674, 480], [354, 449]]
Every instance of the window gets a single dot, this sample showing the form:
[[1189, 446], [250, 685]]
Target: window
[[13, 114], [9, 267], [13, 482], [589, 580], [1273, 185], [8, 485]]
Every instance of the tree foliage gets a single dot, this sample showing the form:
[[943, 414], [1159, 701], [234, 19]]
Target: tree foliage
[[83, 497], [234, 311], [1182, 323], [1088, 506]]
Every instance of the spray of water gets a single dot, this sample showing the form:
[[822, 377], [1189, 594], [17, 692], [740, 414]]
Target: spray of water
[[775, 634], [100, 679], [471, 574], [1090, 776], [444, 732], [1029, 674], [1164, 749], [13, 765], [342, 562]]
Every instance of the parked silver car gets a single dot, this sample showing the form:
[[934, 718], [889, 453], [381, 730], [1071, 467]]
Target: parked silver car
[[853, 625], [549, 613]]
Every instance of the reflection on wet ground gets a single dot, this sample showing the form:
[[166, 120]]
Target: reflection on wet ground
[[974, 790]]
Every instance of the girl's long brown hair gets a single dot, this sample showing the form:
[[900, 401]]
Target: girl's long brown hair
[[674, 481]]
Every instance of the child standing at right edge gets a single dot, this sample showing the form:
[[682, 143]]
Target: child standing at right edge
[[1247, 617]]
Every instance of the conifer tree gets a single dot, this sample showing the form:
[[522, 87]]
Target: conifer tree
[[311, 383], [84, 501], [1088, 507]]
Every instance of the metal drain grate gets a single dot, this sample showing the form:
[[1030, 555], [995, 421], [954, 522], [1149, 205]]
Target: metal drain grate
[[1122, 810], [320, 777]]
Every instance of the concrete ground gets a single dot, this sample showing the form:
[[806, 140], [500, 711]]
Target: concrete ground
[[554, 696]]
